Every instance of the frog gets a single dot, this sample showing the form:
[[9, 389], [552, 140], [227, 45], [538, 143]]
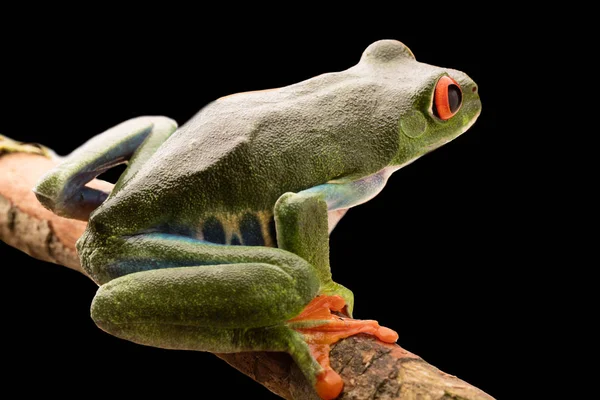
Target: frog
[[215, 237]]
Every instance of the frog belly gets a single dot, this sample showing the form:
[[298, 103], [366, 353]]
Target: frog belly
[[333, 217]]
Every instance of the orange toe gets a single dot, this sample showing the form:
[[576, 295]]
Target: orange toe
[[329, 384], [387, 335]]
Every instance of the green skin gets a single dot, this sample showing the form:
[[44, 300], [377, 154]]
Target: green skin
[[298, 156]]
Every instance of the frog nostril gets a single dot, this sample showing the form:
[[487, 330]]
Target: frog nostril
[[474, 89]]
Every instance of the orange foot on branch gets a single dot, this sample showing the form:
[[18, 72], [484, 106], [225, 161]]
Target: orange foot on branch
[[321, 329]]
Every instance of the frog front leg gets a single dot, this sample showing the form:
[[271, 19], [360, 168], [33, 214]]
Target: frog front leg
[[303, 225], [63, 190], [302, 228], [305, 219]]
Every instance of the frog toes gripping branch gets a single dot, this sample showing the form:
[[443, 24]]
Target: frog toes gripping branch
[[216, 236], [321, 328]]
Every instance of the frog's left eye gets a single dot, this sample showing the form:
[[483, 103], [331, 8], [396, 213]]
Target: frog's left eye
[[447, 98]]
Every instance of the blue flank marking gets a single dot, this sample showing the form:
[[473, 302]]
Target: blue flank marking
[[349, 194]]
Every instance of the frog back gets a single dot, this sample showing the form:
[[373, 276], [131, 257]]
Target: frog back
[[241, 152]]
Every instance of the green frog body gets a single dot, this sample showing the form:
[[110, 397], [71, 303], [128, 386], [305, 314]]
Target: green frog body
[[216, 236]]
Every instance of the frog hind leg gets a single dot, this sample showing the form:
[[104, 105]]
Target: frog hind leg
[[63, 190], [177, 292], [217, 308], [203, 296]]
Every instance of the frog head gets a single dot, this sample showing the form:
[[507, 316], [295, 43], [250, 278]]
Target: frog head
[[433, 105]]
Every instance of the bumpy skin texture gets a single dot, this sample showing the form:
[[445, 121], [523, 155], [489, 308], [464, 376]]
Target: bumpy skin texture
[[216, 235], [243, 151]]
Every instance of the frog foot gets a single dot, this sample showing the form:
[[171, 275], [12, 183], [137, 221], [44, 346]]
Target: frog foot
[[8, 145], [321, 328]]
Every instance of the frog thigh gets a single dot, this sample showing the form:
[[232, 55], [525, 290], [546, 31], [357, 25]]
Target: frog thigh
[[63, 190], [177, 292], [126, 258], [164, 286], [206, 308]]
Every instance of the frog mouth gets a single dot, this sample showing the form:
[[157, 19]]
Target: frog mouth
[[446, 140]]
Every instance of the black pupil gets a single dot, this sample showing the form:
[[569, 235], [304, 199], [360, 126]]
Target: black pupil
[[454, 98]]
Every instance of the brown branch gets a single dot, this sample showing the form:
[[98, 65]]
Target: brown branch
[[370, 369]]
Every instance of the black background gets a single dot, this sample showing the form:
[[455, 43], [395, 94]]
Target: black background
[[436, 256]]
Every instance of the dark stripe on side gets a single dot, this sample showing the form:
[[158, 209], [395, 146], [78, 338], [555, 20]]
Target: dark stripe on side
[[273, 231], [213, 231], [251, 230]]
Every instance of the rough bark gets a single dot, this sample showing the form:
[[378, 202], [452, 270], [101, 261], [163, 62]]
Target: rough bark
[[370, 369]]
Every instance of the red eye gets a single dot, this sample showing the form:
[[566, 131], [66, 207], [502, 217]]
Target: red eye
[[447, 98]]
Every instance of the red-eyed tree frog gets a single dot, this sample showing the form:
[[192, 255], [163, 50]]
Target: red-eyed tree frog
[[216, 236]]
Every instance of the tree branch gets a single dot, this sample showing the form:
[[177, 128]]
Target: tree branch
[[370, 369]]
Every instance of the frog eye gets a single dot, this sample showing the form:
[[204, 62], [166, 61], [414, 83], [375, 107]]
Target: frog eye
[[447, 98]]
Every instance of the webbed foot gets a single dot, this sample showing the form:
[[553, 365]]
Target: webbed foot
[[321, 326]]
